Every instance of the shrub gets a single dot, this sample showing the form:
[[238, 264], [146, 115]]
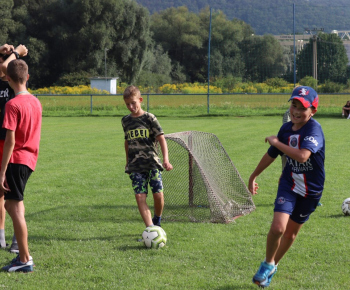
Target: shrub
[[276, 82], [77, 90], [308, 81], [74, 79], [330, 87]]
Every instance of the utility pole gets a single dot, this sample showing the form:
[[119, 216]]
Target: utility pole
[[314, 49], [314, 57], [106, 63]]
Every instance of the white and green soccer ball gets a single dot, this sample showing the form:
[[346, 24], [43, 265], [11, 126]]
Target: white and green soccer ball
[[154, 237], [346, 206]]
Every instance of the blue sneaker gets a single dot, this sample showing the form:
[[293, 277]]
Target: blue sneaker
[[262, 275], [269, 278], [17, 266]]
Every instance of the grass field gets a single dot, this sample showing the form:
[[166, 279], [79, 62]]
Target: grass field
[[84, 224]]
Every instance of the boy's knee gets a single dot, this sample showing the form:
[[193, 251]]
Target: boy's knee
[[289, 236], [158, 196], [277, 230], [139, 196]]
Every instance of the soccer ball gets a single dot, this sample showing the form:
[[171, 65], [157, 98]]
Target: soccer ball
[[346, 206], [154, 237]]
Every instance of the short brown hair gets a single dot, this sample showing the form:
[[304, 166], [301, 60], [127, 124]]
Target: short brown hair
[[131, 91], [17, 70]]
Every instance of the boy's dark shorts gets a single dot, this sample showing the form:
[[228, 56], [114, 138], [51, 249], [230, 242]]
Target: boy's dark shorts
[[298, 207], [140, 181], [17, 176]]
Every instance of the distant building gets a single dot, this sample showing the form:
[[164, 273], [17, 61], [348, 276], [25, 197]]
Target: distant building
[[108, 84]]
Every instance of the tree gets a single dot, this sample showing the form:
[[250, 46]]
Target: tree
[[6, 22], [70, 36], [263, 57], [332, 59], [156, 68], [184, 35], [181, 35], [226, 56]]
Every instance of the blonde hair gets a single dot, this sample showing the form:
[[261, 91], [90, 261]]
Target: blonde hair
[[131, 91]]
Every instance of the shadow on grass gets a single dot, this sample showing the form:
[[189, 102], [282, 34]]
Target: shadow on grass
[[335, 216], [230, 287], [87, 213]]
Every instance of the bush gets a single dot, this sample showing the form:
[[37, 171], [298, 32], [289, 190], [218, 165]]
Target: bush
[[276, 82], [149, 79], [308, 81], [77, 90], [330, 87], [74, 79]]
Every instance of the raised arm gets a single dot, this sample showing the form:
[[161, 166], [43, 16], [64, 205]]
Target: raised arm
[[300, 155], [21, 50]]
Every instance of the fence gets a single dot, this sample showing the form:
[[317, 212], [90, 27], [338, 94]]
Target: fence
[[184, 104]]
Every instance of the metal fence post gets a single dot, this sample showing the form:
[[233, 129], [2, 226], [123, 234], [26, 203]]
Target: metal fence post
[[90, 104], [147, 102]]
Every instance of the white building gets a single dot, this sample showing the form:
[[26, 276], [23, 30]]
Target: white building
[[105, 83]]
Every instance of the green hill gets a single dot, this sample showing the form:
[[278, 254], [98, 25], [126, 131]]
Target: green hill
[[271, 16]]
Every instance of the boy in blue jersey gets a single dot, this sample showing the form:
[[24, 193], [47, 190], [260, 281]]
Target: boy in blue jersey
[[302, 180]]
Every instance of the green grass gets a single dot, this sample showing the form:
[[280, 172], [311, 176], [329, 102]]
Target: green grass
[[84, 224]]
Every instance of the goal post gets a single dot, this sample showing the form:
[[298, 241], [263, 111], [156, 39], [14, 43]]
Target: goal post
[[204, 185]]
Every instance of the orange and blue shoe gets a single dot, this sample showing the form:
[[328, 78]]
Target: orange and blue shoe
[[269, 278], [263, 276]]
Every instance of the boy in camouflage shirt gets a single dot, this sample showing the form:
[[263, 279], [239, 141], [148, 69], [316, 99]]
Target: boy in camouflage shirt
[[142, 130]]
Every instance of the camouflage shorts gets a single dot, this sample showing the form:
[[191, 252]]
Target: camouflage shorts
[[140, 181]]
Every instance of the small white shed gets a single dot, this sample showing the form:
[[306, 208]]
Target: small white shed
[[105, 83]]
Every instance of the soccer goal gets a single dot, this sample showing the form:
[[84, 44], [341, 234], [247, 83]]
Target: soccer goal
[[204, 185]]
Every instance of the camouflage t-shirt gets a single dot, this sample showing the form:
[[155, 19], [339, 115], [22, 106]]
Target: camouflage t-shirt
[[141, 133]]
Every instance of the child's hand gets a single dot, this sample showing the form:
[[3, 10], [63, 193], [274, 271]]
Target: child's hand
[[22, 50], [272, 140], [6, 49], [167, 165], [253, 186]]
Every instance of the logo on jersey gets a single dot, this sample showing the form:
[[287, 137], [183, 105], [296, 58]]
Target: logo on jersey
[[294, 141], [281, 200], [138, 133], [5, 93], [311, 139]]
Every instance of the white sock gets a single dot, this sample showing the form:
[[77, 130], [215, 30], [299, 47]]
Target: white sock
[[272, 264], [2, 238]]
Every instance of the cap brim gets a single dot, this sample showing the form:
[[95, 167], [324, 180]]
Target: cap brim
[[305, 103]]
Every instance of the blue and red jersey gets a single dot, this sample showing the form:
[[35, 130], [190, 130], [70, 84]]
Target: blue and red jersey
[[306, 179]]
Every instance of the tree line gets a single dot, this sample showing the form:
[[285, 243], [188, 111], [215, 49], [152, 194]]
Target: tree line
[[270, 16], [72, 40]]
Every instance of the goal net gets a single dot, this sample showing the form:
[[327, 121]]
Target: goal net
[[204, 185]]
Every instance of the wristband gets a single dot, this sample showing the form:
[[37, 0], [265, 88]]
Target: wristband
[[16, 54]]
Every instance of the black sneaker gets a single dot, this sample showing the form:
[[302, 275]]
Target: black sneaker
[[14, 248]]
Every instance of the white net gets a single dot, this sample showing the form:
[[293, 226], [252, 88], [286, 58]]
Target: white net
[[204, 185]]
